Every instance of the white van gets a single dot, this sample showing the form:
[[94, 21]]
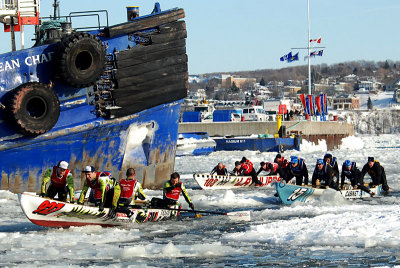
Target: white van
[[254, 113]]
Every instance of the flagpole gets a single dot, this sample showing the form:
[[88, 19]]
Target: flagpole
[[308, 46]]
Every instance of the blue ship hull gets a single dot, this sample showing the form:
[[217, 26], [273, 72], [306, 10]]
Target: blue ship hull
[[257, 144], [126, 117]]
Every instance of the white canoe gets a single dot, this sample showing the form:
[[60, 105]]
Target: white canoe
[[290, 193], [207, 181], [53, 213]]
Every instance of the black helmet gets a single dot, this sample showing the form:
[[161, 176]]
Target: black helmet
[[237, 163], [262, 163], [243, 160], [278, 156]]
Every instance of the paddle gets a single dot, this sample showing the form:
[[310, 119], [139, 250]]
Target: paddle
[[238, 215]]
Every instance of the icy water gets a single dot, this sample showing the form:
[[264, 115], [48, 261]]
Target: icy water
[[328, 232]]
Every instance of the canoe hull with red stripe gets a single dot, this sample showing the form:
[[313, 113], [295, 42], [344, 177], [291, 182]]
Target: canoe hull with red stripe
[[53, 213]]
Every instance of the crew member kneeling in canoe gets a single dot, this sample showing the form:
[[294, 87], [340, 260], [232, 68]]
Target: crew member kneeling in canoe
[[271, 168], [102, 186], [220, 169], [171, 192], [350, 171], [298, 169], [125, 193], [377, 173], [331, 160], [322, 176], [245, 168], [61, 182]]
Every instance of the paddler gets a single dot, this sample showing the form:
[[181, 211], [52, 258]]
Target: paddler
[[377, 173], [246, 169], [220, 169], [331, 160], [298, 169], [61, 182], [173, 189], [322, 176], [350, 171], [271, 168], [102, 186], [125, 193]]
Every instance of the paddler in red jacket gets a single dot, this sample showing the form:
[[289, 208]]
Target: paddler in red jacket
[[172, 190], [246, 168], [102, 186], [61, 182], [220, 169], [125, 193]]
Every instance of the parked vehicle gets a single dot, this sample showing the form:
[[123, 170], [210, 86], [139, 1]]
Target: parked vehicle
[[254, 113]]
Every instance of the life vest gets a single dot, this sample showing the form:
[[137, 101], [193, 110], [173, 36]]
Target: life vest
[[174, 193], [95, 185], [221, 171], [59, 182], [297, 169], [274, 166], [247, 167], [349, 173], [128, 188], [283, 162]]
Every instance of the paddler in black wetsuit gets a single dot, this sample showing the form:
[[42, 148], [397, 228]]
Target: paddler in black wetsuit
[[350, 171], [332, 161], [220, 169], [297, 168], [377, 173], [322, 175]]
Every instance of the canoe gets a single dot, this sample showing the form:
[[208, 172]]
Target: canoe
[[53, 213], [290, 193], [217, 182]]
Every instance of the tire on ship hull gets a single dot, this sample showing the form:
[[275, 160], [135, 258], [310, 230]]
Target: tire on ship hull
[[33, 108], [80, 60]]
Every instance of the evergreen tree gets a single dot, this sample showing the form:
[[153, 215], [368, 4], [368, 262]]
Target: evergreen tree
[[262, 82], [234, 88], [369, 104], [386, 66]]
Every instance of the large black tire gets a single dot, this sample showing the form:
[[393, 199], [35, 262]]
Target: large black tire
[[33, 108], [80, 60]]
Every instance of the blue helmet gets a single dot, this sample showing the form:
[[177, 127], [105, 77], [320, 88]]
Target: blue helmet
[[320, 161], [347, 163], [294, 159]]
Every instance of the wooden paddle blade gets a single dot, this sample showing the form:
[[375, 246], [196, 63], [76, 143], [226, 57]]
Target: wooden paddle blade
[[239, 215]]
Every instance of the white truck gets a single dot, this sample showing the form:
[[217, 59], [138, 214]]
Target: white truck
[[254, 113]]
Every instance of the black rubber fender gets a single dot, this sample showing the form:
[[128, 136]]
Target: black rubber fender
[[80, 60], [33, 108]]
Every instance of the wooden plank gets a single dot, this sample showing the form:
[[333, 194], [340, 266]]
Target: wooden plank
[[148, 57], [149, 86], [140, 105], [163, 72], [144, 23], [139, 49], [172, 27], [149, 66], [165, 37]]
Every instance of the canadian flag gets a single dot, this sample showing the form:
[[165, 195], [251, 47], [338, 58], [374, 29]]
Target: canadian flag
[[316, 40]]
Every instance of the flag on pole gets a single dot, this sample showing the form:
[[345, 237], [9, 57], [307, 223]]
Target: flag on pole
[[311, 103], [318, 104], [318, 40], [294, 58], [286, 57], [303, 102]]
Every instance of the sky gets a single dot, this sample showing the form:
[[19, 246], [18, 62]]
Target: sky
[[233, 35]]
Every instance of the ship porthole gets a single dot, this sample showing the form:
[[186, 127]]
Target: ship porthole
[[80, 60], [33, 108]]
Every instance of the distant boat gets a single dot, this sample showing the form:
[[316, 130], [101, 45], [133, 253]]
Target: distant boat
[[262, 143], [195, 143]]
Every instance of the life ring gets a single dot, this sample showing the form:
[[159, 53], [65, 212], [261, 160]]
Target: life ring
[[33, 108], [80, 59]]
